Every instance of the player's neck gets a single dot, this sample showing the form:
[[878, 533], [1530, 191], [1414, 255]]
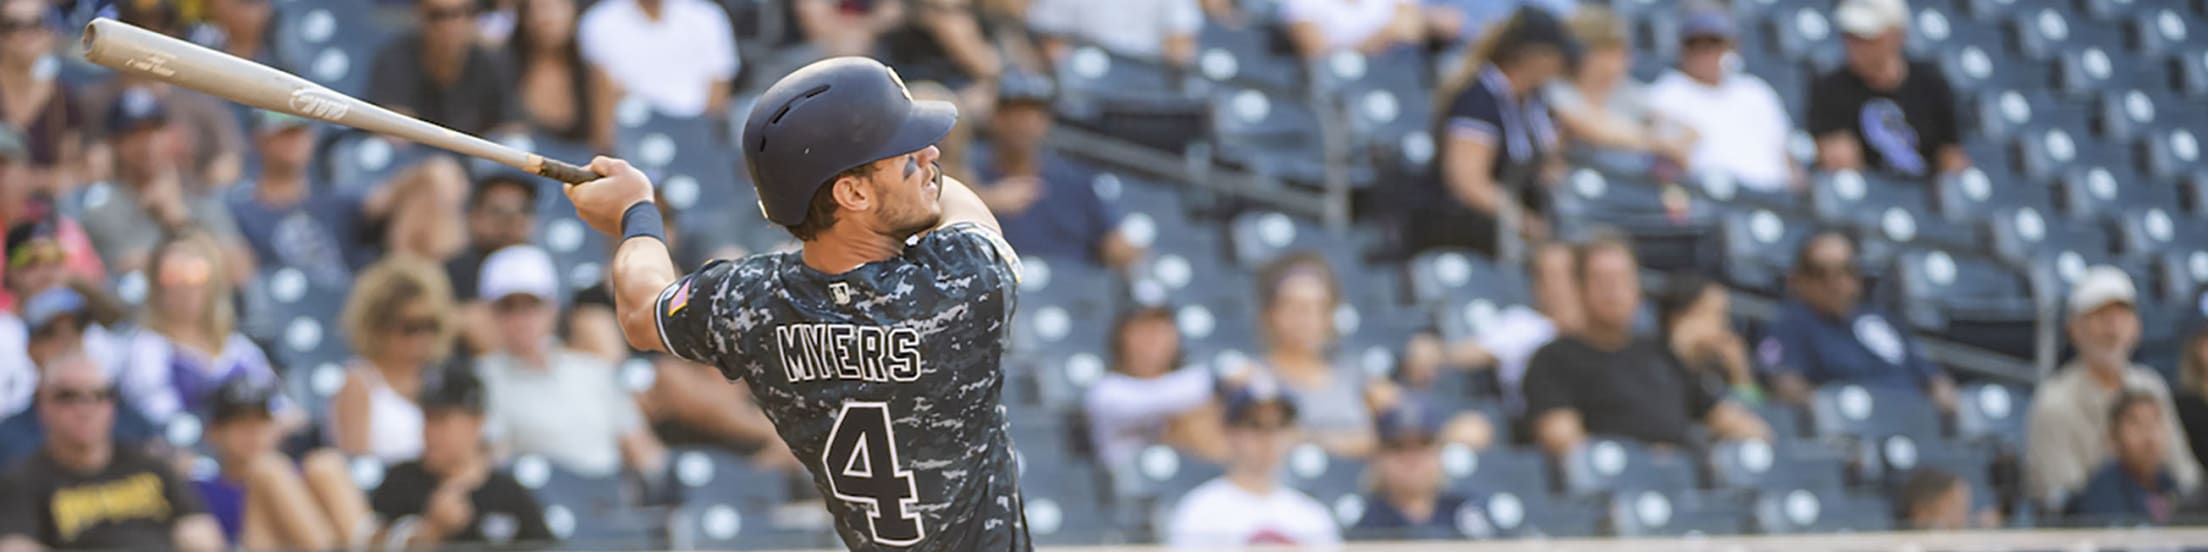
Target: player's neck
[[836, 254]]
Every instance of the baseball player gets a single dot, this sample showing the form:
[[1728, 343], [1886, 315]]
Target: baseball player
[[874, 349]]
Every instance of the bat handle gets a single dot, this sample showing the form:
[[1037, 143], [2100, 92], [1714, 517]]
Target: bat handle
[[563, 172]]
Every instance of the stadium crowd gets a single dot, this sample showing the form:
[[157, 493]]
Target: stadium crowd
[[150, 398]]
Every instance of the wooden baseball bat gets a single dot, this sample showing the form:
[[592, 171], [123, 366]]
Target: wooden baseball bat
[[130, 49]]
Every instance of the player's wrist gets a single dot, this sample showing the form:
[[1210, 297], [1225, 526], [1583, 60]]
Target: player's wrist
[[642, 219]]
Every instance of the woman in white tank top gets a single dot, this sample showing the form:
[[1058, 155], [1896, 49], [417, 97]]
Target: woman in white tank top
[[400, 319]]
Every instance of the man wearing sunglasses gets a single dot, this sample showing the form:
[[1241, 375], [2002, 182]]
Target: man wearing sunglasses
[[81, 490], [440, 74], [1741, 120], [38, 271], [1827, 332]]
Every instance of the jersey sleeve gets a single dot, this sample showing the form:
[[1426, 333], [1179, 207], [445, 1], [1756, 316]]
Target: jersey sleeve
[[969, 248], [685, 311]]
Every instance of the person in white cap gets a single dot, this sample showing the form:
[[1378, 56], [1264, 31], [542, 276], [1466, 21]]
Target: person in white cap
[[1881, 111], [545, 398], [2070, 411]]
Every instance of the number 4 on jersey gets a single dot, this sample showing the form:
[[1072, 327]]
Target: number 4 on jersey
[[861, 463]]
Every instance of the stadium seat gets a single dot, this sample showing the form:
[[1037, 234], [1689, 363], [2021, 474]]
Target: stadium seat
[[711, 524], [1978, 67], [723, 476], [2046, 30], [2191, 68], [1806, 34], [2049, 150], [1813, 510], [1890, 214], [1759, 249], [2172, 152], [2131, 114], [1383, 98], [1230, 53], [1938, 26], [1762, 465], [1668, 224], [2183, 273], [583, 511], [1606, 465], [1062, 500], [2021, 233], [1992, 412], [2086, 71], [1497, 470], [2147, 231], [1849, 410], [1162, 473], [332, 43], [1270, 134], [1972, 195], [2165, 29], [1459, 274], [2004, 114], [1260, 236], [2094, 193], [1092, 73], [1970, 299], [1649, 513]]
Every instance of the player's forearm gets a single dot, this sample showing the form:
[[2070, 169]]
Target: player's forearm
[[642, 268]]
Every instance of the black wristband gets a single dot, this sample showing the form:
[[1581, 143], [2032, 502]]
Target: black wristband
[[642, 220]]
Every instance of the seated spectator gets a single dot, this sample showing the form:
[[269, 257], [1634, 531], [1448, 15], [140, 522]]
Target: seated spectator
[[291, 221], [150, 196], [561, 95], [241, 28], [2070, 423], [1935, 500], [1510, 341], [948, 41], [1409, 499], [263, 499], [2192, 389], [1827, 331], [41, 108], [60, 326], [2136, 485], [189, 344], [847, 27], [20, 205], [1494, 138], [1607, 381], [1148, 398], [1158, 30], [501, 213], [1741, 124], [455, 494], [1045, 201], [1297, 295], [546, 399], [677, 56], [439, 73], [82, 490], [1604, 112], [36, 252], [1249, 505], [1881, 111], [399, 318], [1323, 27], [1697, 320]]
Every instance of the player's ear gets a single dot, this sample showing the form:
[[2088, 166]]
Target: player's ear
[[852, 194]]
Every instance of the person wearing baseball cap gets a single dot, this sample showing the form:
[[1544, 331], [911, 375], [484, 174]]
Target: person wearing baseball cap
[[1409, 499], [1491, 134], [1249, 505], [455, 493], [2069, 421], [1044, 200], [549, 399], [1741, 121], [312, 504], [1881, 111]]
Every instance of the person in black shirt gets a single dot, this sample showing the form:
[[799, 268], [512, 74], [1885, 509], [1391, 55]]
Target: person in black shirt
[[1605, 380], [439, 73], [502, 212], [82, 491], [1492, 139], [453, 494], [1882, 111]]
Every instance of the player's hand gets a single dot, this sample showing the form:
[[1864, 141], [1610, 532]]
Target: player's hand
[[601, 202]]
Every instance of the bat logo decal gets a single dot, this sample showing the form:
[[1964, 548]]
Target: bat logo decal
[[155, 63], [319, 104]]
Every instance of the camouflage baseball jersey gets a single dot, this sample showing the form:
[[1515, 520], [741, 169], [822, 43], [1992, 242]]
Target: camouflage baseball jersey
[[883, 380]]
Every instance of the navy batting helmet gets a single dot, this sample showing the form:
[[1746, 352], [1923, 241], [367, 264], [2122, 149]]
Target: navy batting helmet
[[828, 117]]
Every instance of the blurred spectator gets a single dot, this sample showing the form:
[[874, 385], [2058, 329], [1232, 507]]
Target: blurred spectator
[[1160, 30], [150, 196], [23, 204], [1697, 319], [425, 220], [1741, 123], [1607, 381], [561, 96], [2070, 421], [60, 325], [590, 324], [34, 101], [455, 494], [263, 499], [1604, 112], [1828, 332], [209, 150], [1045, 201], [399, 319], [325, 232], [547, 399], [1322, 27], [502, 213], [35, 252], [1882, 111], [2136, 485], [241, 28], [1249, 505], [1409, 499], [678, 56], [189, 344], [1494, 134], [439, 73], [847, 27], [2192, 389], [82, 490], [947, 41], [1935, 500], [1507, 343], [1148, 398], [1297, 294]]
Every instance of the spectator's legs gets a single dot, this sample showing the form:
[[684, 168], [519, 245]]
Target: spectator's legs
[[276, 498], [341, 499]]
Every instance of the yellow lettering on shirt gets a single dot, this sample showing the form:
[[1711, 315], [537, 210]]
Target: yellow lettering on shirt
[[131, 498]]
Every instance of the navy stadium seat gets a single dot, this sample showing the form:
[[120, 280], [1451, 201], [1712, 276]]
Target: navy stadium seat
[[2097, 192], [1094, 81], [1978, 67], [1762, 465], [1971, 195], [1458, 274], [2088, 70], [1889, 214], [2021, 233], [1497, 470], [1938, 26], [1668, 223], [711, 524], [2172, 152], [2005, 113], [1270, 134], [1993, 412], [1606, 465], [1815, 510], [2183, 274], [2048, 150], [2146, 231], [1648, 513], [582, 511], [1063, 503], [1228, 53], [1759, 249], [1162, 473], [2046, 30], [1383, 97], [2132, 114], [1970, 299], [1872, 412], [724, 476], [1805, 33], [2190, 70], [2165, 29], [1260, 236]]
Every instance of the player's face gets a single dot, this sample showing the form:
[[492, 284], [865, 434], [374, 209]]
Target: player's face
[[910, 188]]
